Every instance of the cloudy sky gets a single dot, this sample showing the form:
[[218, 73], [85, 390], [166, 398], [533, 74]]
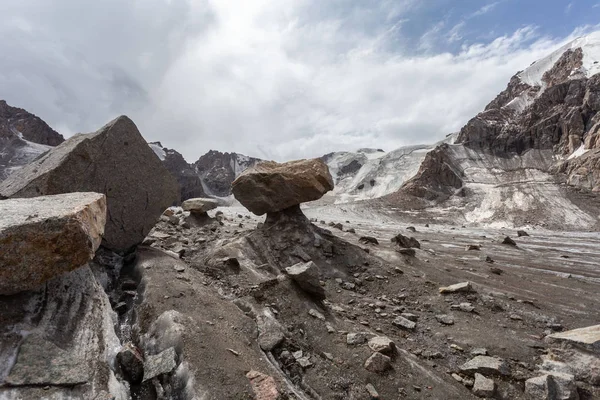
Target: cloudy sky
[[276, 79]]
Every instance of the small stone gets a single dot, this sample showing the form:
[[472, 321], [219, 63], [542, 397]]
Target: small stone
[[404, 323], [368, 240], [378, 363], [483, 387], [353, 339], [472, 247], [445, 319], [199, 205], [330, 328], [304, 362], [462, 287], [410, 317], [554, 386], [372, 392], [496, 271], [516, 317], [522, 233], [306, 275], [507, 240], [480, 351], [382, 344], [457, 378], [131, 363], [159, 364], [179, 268], [264, 386], [486, 365], [407, 252], [456, 347], [315, 314]]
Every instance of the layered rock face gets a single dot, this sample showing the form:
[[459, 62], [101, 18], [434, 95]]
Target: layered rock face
[[23, 137], [47, 236], [272, 187], [115, 161]]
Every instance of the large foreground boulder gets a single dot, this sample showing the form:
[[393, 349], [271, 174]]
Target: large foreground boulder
[[46, 236], [116, 161], [271, 187]]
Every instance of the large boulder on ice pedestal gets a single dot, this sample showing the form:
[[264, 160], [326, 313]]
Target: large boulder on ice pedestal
[[46, 236], [271, 187], [116, 161]]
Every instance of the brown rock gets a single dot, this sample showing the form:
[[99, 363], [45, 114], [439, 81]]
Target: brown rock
[[115, 161], [264, 386], [378, 363], [272, 187], [43, 237]]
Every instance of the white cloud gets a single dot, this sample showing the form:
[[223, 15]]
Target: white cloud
[[568, 8], [485, 9], [266, 78]]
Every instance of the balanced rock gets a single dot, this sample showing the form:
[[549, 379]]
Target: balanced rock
[[382, 344], [270, 187], [199, 205], [116, 161], [46, 236], [306, 275]]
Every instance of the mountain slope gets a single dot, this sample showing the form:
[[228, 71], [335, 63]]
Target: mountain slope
[[23, 137], [531, 156]]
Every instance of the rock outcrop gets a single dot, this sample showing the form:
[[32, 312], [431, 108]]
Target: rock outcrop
[[115, 161], [270, 187], [46, 236]]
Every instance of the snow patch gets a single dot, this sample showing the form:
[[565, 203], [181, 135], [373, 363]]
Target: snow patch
[[579, 152], [158, 150], [589, 44]]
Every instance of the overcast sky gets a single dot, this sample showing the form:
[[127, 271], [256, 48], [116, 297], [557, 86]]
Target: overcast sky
[[276, 79]]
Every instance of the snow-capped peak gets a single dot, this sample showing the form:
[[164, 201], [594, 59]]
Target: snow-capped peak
[[590, 46]]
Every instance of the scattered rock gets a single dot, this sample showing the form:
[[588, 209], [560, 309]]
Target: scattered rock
[[383, 345], [483, 387], [199, 205], [445, 319], [270, 332], [507, 240], [351, 230], [406, 242], [480, 351], [404, 323], [411, 228], [315, 314], [131, 363], [496, 271], [378, 363], [372, 392], [555, 386], [587, 338], [353, 339], [46, 236], [115, 161], [264, 386], [463, 287], [272, 187], [522, 233], [407, 252], [159, 364], [472, 247], [368, 240], [306, 275], [486, 365], [487, 259]]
